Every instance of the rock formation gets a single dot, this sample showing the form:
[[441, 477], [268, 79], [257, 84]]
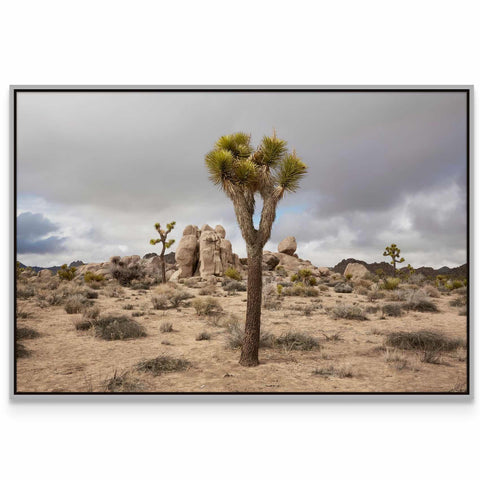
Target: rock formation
[[288, 246], [356, 270]]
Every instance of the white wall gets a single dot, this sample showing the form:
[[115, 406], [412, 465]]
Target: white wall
[[278, 42]]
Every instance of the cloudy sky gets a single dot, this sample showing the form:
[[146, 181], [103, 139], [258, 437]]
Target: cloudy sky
[[97, 170]]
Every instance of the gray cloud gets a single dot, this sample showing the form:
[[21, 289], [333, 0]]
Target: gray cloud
[[381, 165], [32, 234]]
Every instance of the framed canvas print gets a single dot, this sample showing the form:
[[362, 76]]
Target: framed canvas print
[[241, 240]]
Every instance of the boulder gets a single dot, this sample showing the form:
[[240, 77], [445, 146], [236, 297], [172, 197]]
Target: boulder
[[210, 256], [220, 231], [356, 270], [226, 253], [343, 288], [191, 230], [206, 228], [269, 261], [288, 246], [186, 255], [45, 274], [149, 255]]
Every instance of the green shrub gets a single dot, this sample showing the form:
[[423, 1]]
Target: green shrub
[[233, 273], [90, 277], [390, 283], [66, 273]]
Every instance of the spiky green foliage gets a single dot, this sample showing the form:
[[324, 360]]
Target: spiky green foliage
[[393, 252], [66, 273], [163, 233]]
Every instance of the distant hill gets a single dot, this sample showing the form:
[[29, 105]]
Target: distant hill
[[456, 272], [76, 263]]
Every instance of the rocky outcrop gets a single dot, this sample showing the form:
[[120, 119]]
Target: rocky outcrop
[[288, 246], [205, 251], [269, 261], [356, 270]]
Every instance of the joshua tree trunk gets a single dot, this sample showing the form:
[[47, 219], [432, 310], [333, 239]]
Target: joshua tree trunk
[[249, 356], [162, 259]]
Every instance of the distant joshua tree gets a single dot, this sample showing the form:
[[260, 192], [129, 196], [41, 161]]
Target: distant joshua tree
[[243, 171], [165, 244], [394, 252]]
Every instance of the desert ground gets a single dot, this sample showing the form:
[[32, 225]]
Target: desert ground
[[328, 342]]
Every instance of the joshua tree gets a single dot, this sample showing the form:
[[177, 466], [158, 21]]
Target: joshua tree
[[394, 252], [165, 244], [242, 172]]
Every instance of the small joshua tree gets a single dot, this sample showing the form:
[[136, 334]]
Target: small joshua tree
[[165, 244], [394, 252], [243, 171]]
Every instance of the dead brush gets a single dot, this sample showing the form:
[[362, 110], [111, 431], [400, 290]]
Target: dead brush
[[117, 327], [397, 358], [76, 303], [342, 371], [348, 312], [206, 306], [235, 335], [123, 383], [162, 364], [166, 327], [25, 333], [418, 301], [423, 340], [297, 341]]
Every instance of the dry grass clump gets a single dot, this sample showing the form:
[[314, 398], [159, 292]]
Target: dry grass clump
[[117, 327], [431, 291], [375, 295], [169, 297], [206, 306], [25, 292], [458, 302], [207, 290], [297, 341], [235, 336], [123, 383], [398, 359], [162, 364], [114, 291], [89, 293], [166, 327], [423, 340], [342, 371], [202, 336], [362, 290], [392, 310], [372, 309], [21, 351], [300, 290], [76, 303], [349, 312], [25, 333], [418, 301]]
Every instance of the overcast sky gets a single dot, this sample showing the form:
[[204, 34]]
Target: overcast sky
[[97, 170]]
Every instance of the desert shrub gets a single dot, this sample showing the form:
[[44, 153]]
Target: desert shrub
[[297, 341], [128, 306], [270, 297], [54, 299], [416, 279], [233, 273], [453, 284], [206, 306], [458, 302], [76, 303], [418, 301], [235, 336], [300, 290], [349, 312], [361, 290], [431, 291], [162, 364], [362, 282], [280, 271], [342, 371], [207, 290], [161, 302], [375, 295], [91, 313], [88, 293], [230, 285], [125, 274], [348, 276], [177, 298], [334, 337], [392, 310], [113, 291], [202, 336], [372, 309], [390, 283], [21, 351], [166, 327], [423, 340], [66, 273], [305, 276], [25, 292], [431, 356], [399, 359], [279, 289], [463, 312], [82, 323], [25, 333], [322, 288], [123, 383], [169, 297], [90, 277], [116, 327]]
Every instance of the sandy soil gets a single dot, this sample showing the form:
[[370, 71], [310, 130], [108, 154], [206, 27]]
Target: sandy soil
[[66, 360]]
